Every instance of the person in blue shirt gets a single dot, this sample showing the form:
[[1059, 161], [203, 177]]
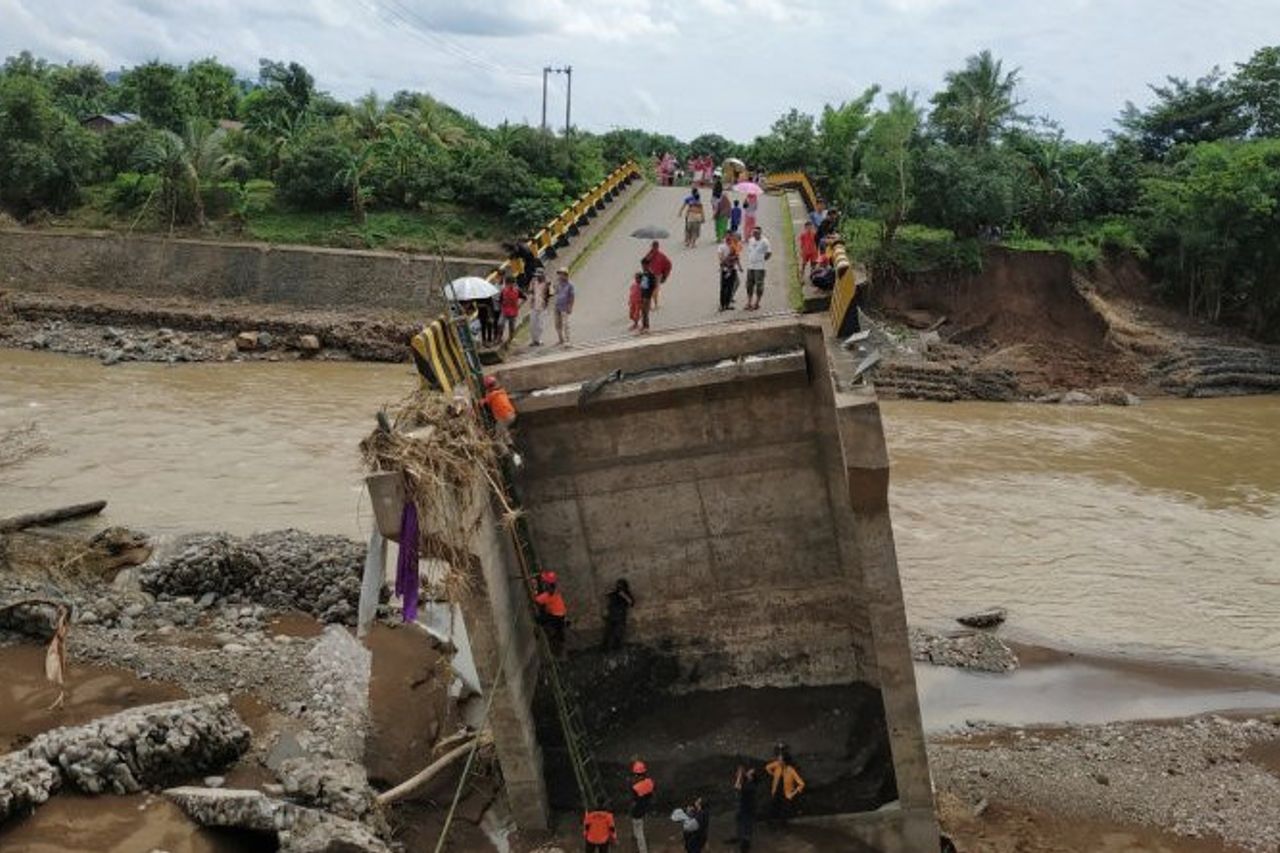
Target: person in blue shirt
[[735, 218]]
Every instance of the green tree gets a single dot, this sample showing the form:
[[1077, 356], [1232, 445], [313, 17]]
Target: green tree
[[1257, 85], [213, 88], [80, 90], [155, 91], [976, 103], [839, 145], [184, 164], [292, 83], [1212, 226], [351, 177], [45, 155], [889, 162], [713, 145], [1186, 112], [792, 143], [309, 164], [965, 189]]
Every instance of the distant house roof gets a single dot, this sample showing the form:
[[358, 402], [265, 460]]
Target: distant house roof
[[230, 124], [112, 118]]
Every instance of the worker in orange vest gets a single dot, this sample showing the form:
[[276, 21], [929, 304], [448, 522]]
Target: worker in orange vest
[[598, 829], [499, 404], [641, 802], [552, 613]]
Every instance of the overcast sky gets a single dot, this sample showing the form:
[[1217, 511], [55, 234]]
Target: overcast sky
[[679, 66]]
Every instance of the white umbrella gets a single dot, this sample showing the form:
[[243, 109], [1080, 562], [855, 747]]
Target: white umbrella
[[470, 287]]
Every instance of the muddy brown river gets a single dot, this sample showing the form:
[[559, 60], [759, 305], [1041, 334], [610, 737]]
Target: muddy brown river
[[1150, 531]]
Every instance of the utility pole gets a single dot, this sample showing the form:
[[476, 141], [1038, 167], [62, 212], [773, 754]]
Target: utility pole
[[546, 69], [568, 97], [568, 102]]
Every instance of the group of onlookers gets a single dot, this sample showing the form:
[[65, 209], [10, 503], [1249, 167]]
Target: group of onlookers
[[495, 320]]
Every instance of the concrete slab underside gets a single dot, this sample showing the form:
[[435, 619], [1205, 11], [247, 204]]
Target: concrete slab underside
[[751, 519]]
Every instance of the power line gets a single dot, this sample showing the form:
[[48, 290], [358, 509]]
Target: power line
[[424, 28]]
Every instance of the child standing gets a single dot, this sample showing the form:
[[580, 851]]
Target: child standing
[[634, 301]]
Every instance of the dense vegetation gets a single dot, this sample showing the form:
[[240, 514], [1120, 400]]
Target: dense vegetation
[[1190, 182], [275, 157]]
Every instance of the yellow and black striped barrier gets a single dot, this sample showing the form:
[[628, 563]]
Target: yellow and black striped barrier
[[556, 233], [438, 355], [793, 180], [844, 315]]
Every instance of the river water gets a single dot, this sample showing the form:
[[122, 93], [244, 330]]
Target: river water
[[1151, 531]]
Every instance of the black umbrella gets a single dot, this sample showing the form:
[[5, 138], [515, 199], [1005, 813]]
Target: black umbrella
[[651, 232]]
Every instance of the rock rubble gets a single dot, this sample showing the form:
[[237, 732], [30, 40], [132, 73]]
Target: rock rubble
[[125, 752]]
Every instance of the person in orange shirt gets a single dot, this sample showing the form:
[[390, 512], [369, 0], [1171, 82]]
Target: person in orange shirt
[[499, 404], [598, 829], [552, 615], [785, 783]]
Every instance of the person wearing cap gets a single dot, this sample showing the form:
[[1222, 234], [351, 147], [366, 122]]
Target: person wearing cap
[[641, 802], [545, 580], [499, 404], [539, 299], [564, 304], [552, 614], [598, 828]]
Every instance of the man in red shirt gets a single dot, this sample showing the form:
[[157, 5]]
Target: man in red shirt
[[660, 266], [598, 829], [510, 298]]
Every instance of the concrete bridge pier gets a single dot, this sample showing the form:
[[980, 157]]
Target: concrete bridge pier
[[738, 478]]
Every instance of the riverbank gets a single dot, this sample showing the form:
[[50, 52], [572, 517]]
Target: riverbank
[[1205, 783], [1029, 326], [214, 613], [115, 328]]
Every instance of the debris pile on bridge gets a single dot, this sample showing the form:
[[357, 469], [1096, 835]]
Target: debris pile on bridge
[[449, 460]]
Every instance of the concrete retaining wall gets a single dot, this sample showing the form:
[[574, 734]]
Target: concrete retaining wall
[[306, 277]]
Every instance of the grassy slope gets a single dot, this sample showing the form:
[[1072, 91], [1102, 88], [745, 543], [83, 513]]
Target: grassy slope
[[442, 228]]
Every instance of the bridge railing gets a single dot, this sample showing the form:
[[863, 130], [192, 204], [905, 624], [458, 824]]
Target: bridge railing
[[556, 233], [844, 316]]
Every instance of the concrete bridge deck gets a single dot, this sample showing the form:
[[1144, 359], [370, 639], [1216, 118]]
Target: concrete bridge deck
[[691, 295]]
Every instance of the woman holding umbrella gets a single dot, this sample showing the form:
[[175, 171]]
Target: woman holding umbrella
[[751, 207]]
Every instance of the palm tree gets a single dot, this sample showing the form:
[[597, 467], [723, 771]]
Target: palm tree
[[976, 102], [436, 126], [366, 118], [403, 151], [184, 163], [351, 176]]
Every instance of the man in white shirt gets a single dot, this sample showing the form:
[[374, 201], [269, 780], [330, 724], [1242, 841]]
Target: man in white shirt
[[755, 254]]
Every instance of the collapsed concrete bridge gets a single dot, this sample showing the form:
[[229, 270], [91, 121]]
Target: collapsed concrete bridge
[[737, 476]]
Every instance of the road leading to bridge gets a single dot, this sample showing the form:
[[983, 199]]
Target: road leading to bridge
[[691, 294]]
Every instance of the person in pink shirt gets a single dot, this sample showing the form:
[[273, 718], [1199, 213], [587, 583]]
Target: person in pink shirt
[[635, 301], [749, 211]]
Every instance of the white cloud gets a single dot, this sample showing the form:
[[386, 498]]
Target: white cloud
[[679, 66]]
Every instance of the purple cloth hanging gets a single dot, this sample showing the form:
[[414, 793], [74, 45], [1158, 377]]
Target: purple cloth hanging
[[407, 561]]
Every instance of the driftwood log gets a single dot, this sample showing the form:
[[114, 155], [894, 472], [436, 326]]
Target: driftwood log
[[51, 516]]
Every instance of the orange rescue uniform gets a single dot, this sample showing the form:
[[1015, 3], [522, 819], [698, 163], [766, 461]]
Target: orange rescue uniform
[[500, 406], [598, 828], [552, 603]]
